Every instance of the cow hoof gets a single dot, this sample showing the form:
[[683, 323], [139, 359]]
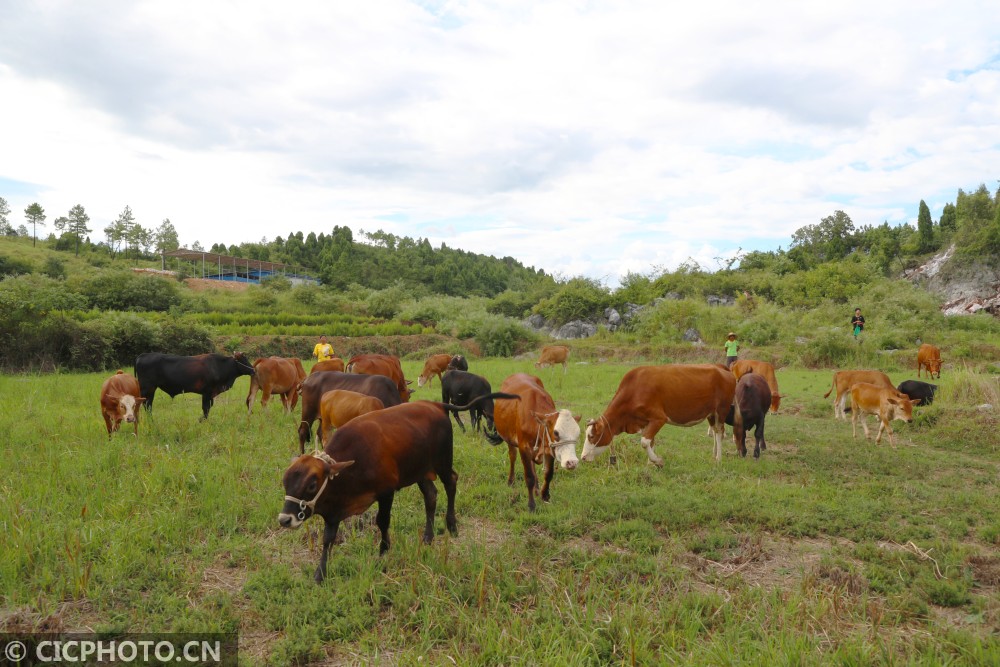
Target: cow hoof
[[657, 462]]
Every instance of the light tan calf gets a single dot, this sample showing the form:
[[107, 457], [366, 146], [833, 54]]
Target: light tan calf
[[339, 406], [552, 355], [436, 364], [844, 380], [868, 399]]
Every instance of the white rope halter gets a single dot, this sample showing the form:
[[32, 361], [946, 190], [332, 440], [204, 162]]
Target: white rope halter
[[542, 437], [311, 504]]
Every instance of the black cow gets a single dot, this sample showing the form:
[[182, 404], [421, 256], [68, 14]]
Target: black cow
[[313, 387], [461, 388], [753, 397], [458, 363], [916, 389], [205, 374]]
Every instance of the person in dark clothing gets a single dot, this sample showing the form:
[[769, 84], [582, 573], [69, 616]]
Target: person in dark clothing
[[857, 322]]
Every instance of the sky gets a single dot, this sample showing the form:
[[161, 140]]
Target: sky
[[585, 138]]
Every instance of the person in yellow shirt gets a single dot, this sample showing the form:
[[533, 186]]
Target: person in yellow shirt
[[323, 350]]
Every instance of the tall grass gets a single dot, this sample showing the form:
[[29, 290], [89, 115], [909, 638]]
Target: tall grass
[[827, 550]]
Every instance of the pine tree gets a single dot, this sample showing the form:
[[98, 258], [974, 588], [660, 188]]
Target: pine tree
[[35, 215], [925, 229]]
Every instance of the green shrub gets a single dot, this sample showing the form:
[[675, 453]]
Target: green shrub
[[501, 337], [385, 303], [33, 296], [580, 298], [13, 266], [184, 337], [511, 304], [125, 290]]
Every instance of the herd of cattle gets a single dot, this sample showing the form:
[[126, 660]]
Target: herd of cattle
[[368, 425]]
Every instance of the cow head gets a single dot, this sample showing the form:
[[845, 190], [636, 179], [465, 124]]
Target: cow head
[[598, 438], [564, 431], [775, 403], [934, 368], [127, 406], [243, 364], [900, 408], [458, 363], [305, 481]]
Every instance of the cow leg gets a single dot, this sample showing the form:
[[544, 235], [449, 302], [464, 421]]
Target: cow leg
[[647, 444], [530, 479], [450, 482], [430, 493], [107, 423], [741, 440], [329, 537], [265, 397], [294, 398], [512, 455], [549, 470], [251, 397], [758, 436], [458, 420], [305, 433], [148, 393], [206, 405], [382, 519]]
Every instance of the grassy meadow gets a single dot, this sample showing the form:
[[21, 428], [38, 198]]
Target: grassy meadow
[[827, 550]]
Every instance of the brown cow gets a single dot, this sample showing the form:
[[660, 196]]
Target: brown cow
[[340, 406], [120, 401], [368, 460], [650, 396], [533, 427], [335, 364], [552, 355], [317, 384], [929, 357], [844, 380], [381, 364], [753, 397], [870, 399], [276, 375], [436, 364], [741, 367]]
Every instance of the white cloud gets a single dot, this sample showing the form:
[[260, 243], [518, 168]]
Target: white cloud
[[587, 139]]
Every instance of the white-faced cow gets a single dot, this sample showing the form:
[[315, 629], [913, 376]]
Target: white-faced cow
[[535, 429], [120, 401], [869, 399], [649, 397], [206, 374]]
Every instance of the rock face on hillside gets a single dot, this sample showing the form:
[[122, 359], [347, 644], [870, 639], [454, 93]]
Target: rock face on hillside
[[964, 290]]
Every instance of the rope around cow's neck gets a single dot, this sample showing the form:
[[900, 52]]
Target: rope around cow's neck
[[542, 436], [311, 504]]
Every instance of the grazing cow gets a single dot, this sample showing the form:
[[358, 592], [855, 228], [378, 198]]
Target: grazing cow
[[753, 398], [313, 387], [534, 428], [915, 389], [650, 396], [335, 364], [436, 364], [381, 364], [844, 380], [340, 406], [929, 357], [120, 400], [276, 375], [458, 363], [461, 388], [205, 374], [870, 399], [552, 355], [742, 366], [367, 460]]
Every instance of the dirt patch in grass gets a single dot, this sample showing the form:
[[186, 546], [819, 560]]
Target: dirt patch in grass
[[202, 284]]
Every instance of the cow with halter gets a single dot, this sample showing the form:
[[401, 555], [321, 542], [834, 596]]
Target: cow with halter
[[535, 429], [368, 460], [649, 397]]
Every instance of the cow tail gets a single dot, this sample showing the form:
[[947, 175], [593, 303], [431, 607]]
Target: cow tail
[[493, 438], [832, 385], [737, 417], [476, 401]]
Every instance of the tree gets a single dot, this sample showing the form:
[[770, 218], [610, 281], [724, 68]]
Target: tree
[[949, 218], [35, 215], [77, 225], [925, 229], [5, 227], [197, 247], [115, 234], [125, 226], [833, 238], [166, 237]]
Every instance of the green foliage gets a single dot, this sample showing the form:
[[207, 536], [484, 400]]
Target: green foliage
[[278, 283], [578, 298], [54, 268], [511, 303], [385, 303], [501, 337], [13, 266], [32, 296], [125, 290], [925, 229], [837, 281]]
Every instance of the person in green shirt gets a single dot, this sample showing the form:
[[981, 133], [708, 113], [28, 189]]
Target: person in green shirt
[[323, 350], [732, 347]]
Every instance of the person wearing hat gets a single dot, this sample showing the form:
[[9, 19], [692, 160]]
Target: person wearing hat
[[732, 347]]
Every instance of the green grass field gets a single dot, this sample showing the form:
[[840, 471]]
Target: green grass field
[[825, 551]]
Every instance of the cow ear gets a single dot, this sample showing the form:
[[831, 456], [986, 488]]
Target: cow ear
[[140, 400], [337, 467], [916, 401], [577, 418]]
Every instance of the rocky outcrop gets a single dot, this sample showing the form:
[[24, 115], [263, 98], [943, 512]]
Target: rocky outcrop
[[964, 290]]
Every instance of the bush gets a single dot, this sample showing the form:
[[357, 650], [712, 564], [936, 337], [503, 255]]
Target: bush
[[33, 296], [124, 290], [501, 337], [12, 266], [184, 337], [385, 303], [580, 298]]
